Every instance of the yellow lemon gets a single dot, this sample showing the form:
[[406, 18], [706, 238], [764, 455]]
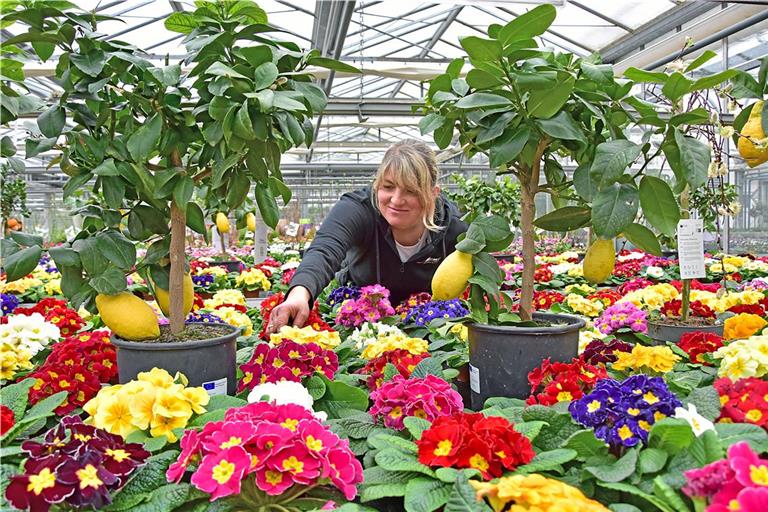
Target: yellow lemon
[[250, 221], [599, 261], [754, 130], [164, 300], [222, 223], [450, 279], [128, 316]]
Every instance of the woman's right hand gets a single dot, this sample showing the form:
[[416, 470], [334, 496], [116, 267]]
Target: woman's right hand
[[294, 308]]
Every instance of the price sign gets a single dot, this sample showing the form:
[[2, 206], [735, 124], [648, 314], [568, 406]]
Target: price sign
[[690, 248]]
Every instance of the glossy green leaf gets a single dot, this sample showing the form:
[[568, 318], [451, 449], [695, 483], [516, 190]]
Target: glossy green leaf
[[676, 87], [481, 49], [545, 103], [182, 22], [182, 192], [640, 75], [613, 209], [659, 205], [110, 282], [566, 218], [195, 218], [430, 123], [509, 145], [583, 182], [482, 79], [532, 23], [700, 60], [21, 263], [51, 122], [711, 81], [267, 205], [694, 159], [643, 238], [117, 249], [562, 126], [482, 99], [264, 75], [90, 63], [612, 158], [324, 62], [142, 143]]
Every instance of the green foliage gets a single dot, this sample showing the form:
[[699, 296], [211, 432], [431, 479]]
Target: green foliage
[[476, 197]]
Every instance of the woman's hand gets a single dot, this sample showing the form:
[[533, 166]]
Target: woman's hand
[[295, 307]]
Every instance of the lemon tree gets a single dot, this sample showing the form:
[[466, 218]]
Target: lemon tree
[[161, 149]]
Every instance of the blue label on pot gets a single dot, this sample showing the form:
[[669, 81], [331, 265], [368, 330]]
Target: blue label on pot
[[474, 379], [216, 387]]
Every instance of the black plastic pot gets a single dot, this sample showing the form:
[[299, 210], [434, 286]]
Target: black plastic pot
[[210, 363], [501, 356], [661, 333]]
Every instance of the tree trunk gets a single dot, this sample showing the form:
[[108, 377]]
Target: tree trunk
[[527, 216], [178, 257], [529, 186]]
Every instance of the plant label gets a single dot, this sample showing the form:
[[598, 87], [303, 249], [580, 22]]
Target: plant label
[[216, 387], [690, 248]]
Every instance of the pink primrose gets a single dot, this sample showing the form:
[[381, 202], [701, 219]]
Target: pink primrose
[[219, 474], [231, 433], [190, 446]]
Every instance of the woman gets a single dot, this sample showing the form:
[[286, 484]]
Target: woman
[[394, 233]]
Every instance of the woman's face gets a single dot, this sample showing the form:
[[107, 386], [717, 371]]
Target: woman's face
[[399, 206]]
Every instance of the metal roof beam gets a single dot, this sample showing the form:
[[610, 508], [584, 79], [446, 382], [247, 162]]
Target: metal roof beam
[[666, 23], [432, 42], [601, 15], [387, 36]]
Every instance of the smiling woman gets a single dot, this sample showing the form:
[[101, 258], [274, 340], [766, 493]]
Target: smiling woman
[[395, 232]]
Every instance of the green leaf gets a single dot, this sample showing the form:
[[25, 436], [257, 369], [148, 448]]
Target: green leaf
[[546, 102], [481, 79], [611, 160], [339, 396], [473, 242], [659, 205], [566, 218], [314, 94], [481, 49], [430, 123], [710, 81], [117, 249], [264, 75], [707, 401], [640, 75], [731, 433], [221, 69], [601, 73], [358, 426], [392, 459], [427, 366], [375, 492], [585, 185], [444, 134], [327, 63], [676, 87], [267, 205], [21, 263], [496, 128], [635, 491], [533, 23], [706, 448], [548, 460], [36, 146], [426, 495], [90, 63], [494, 227], [112, 281], [613, 209], [509, 145], [416, 426], [671, 435], [695, 116], [7, 147], [694, 159], [182, 192], [142, 143], [486, 265], [586, 444], [217, 402], [44, 407], [616, 471], [562, 127], [15, 396], [195, 218], [482, 99], [652, 460], [182, 22], [51, 122], [643, 238], [382, 440], [26, 239], [700, 60]]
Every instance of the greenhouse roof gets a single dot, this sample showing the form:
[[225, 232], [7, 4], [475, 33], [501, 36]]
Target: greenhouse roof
[[398, 44]]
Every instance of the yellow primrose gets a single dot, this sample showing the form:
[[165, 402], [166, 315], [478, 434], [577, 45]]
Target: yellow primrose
[[658, 358], [583, 305], [534, 492], [582, 289], [253, 279], [157, 377], [743, 325], [215, 271], [394, 341], [225, 297], [461, 331], [20, 285], [326, 339], [235, 318], [743, 358], [13, 358], [114, 415]]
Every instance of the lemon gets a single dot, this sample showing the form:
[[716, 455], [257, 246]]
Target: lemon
[[599, 261], [450, 279], [250, 221], [754, 130], [222, 223], [128, 316], [164, 300]]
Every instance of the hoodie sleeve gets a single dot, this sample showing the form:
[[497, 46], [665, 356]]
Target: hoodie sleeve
[[347, 225]]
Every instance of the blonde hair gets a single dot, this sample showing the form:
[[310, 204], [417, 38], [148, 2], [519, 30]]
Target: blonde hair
[[412, 165]]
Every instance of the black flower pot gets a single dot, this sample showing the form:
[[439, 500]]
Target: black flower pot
[[661, 333], [501, 356], [210, 363]]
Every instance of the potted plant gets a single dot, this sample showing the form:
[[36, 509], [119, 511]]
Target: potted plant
[[522, 106], [694, 107], [149, 150]]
